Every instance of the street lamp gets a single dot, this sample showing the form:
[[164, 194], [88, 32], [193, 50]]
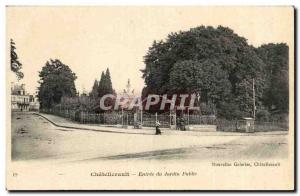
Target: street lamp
[[198, 101]]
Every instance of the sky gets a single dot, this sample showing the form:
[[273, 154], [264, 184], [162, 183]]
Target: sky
[[91, 39]]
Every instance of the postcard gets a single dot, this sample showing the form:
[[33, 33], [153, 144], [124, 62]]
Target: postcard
[[150, 98]]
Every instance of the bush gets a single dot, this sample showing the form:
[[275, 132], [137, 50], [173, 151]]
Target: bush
[[230, 111], [263, 115]]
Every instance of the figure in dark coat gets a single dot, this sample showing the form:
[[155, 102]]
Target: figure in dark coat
[[177, 123], [157, 130], [182, 124]]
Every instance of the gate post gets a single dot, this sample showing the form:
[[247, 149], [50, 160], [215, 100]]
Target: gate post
[[141, 117], [175, 120], [170, 119], [104, 118], [81, 117], [188, 117], [122, 117], [135, 119]]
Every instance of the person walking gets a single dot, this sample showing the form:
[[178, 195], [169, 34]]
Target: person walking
[[157, 130], [182, 124], [177, 123]]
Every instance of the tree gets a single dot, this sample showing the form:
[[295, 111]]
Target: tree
[[244, 97], [276, 58], [202, 43], [108, 83], [105, 84], [56, 81], [206, 78], [15, 64], [94, 92], [279, 92], [215, 61], [101, 86], [105, 87]]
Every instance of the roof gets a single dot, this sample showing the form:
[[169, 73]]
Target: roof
[[16, 88]]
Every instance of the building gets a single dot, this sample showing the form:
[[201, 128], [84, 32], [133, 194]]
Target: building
[[19, 98], [127, 96], [34, 104]]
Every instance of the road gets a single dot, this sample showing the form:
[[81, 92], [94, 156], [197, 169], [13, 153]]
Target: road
[[34, 138]]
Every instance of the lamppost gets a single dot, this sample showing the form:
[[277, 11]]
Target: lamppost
[[253, 90], [198, 101]]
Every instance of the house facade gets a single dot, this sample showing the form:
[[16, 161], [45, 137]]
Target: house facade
[[21, 100], [34, 104]]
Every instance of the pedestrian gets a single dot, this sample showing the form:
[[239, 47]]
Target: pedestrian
[[182, 124], [178, 124], [157, 130]]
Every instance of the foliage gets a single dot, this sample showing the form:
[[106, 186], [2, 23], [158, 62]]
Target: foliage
[[263, 115], [81, 103], [213, 61], [94, 93], [15, 64], [104, 88], [91, 102], [206, 77], [275, 56], [56, 81], [105, 84], [230, 110]]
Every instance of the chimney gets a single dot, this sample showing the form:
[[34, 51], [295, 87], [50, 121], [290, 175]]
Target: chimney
[[23, 89]]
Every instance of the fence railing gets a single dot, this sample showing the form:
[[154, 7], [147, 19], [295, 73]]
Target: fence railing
[[129, 118], [259, 126], [200, 119], [149, 119]]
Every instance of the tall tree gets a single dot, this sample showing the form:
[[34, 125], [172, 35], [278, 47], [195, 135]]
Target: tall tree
[[101, 86], [56, 81], [94, 92], [105, 84], [105, 87], [215, 60], [279, 92], [15, 64], [108, 82], [206, 78], [276, 58]]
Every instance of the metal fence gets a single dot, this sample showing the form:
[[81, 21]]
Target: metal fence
[[271, 126], [129, 118], [165, 119], [199, 119], [259, 126]]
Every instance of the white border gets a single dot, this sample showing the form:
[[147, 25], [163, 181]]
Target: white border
[[149, 2]]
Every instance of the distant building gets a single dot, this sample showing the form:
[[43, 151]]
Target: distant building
[[128, 95], [21, 100], [34, 104]]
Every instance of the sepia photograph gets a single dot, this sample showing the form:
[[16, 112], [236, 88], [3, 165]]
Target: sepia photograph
[[150, 98]]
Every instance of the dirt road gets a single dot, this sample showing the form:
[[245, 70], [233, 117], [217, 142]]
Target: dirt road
[[34, 138]]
